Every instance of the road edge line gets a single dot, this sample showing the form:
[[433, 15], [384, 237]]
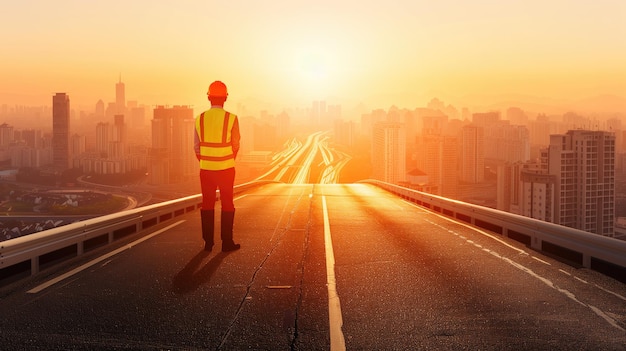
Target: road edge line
[[337, 340]]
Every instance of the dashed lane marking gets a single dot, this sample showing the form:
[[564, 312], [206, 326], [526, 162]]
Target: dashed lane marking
[[521, 267]]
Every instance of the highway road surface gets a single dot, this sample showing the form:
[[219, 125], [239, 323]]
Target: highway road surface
[[311, 161], [322, 267]]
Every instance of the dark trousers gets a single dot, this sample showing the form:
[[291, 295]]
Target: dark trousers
[[223, 180]]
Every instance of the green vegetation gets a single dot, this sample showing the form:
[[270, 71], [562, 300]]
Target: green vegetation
[[108, 205], [59, 203]]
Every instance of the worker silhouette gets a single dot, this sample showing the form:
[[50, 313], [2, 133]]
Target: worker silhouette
[[216, 144]]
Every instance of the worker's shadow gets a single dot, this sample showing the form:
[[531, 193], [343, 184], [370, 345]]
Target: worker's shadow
[[190, 277]]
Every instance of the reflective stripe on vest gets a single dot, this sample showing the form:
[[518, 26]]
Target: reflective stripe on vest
[[214, 131]]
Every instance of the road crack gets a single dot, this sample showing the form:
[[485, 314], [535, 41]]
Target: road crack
[[276, 238]]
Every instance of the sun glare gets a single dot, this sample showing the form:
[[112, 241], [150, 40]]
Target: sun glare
[[314, 68]]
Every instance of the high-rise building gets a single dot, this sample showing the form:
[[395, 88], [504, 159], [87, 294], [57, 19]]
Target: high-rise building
[[526, 189], [119, 130], [389, 152], [100, 109], [472, 154], [6, 135], [61, 131], [368, 120], [120, 97], [507, 143], [540, 130], [344, 132], [437, 156], [103, 137], [78, 144], [32, 137], [172, 145], [583, 162]]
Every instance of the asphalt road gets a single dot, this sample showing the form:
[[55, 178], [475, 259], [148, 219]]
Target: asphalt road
[[402, 279]]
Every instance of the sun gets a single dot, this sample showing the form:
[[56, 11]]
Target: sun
[[313, 66], [314, 75]]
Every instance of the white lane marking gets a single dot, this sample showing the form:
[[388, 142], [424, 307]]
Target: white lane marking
[[565, 292], [581, 280], [523, 268], [610, 292], [521, 252], [540, 260], [99, 259], [337, 341]]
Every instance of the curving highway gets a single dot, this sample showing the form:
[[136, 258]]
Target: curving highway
[[311, 161]]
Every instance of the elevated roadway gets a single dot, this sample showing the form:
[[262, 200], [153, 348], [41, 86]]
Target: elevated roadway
[[311, 161], [321, 267]]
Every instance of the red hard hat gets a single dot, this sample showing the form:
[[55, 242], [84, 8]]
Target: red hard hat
[[217, 88]]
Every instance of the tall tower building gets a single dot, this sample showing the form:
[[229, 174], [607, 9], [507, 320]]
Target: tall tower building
[[78, 144], [120, 97], [103, 137], [583, 162], [119, 129], [61, 131], [389, 152], [100, 110], [437, 156], [472, 154], [172, 144], [6, 135]]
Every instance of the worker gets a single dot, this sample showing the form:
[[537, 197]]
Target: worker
[[216, 144]]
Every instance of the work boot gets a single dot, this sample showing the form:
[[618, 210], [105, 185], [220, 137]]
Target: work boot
[[228, 244], [208, 224]]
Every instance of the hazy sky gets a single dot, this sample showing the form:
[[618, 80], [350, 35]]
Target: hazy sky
[[290, 52]]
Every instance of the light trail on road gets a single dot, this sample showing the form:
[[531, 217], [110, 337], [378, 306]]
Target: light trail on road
[[294, 164]]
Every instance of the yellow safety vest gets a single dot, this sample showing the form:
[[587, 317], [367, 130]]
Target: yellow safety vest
[[214, 128]]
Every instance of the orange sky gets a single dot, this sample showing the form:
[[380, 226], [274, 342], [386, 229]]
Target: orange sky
[[289, 52]]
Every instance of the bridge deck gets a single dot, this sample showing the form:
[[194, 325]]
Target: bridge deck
[[405, 279]]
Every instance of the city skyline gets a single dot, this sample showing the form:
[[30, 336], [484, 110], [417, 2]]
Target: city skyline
[[288, 54]]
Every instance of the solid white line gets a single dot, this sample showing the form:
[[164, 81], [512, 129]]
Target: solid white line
[[337, 341], [99, 259]]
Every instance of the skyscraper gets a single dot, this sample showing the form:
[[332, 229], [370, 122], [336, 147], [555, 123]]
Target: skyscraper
[[388, 152], [583, 162], [437, 156], [6, 135], [172, 145], [61, 131], [574, 184], [120, 97], [472, 154]]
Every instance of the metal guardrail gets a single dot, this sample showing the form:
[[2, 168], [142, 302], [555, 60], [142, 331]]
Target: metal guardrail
[[604, 254], [31, 252]]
